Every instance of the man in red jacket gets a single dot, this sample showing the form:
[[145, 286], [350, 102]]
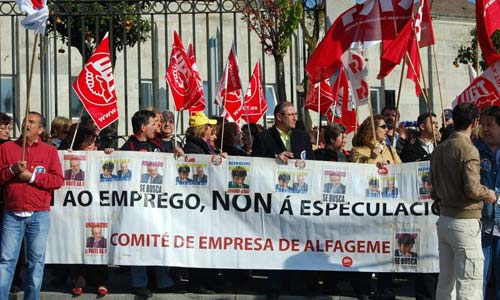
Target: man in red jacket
[[27, 189]]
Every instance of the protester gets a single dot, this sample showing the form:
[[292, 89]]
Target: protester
[[198, 138], [231, 140], [5, 128], [458, 198], [373, 150], [81, 274], [27, 204], [249, 132], [488, 147], [283, 141], [419, 148], [59, 129], [144, 125], [198, 134], [167, 131], [335, 140]]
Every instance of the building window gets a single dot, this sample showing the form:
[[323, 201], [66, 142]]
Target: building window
[[375, 99], [378, 103], [7, 94], [146, 97], [76, 104], [271, 100]]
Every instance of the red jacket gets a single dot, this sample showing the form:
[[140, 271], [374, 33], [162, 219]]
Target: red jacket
[[41, 158]]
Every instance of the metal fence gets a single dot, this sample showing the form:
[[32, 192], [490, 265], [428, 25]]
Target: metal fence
[[212, 27]]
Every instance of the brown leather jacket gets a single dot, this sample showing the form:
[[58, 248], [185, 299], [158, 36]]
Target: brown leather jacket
[[456, 180]]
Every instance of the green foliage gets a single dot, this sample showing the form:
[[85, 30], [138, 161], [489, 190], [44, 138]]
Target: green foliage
[[273, 21], [83, 24], [468, 53]]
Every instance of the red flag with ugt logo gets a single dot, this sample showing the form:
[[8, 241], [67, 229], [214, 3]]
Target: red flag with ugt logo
[[255, 101], [487, 21], [181, 78], [484, 90], [343, 110], [319, 96], [95, 86], [201, 104], [228, 92]]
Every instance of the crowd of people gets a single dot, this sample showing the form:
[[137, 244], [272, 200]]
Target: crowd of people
[[463, 174]]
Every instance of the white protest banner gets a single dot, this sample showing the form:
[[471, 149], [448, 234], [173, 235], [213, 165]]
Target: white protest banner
[[132, 208]]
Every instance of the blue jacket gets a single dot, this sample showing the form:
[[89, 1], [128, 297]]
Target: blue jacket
[[489, 177]]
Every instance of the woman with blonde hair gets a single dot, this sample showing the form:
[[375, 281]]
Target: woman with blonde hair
[[368, 149]]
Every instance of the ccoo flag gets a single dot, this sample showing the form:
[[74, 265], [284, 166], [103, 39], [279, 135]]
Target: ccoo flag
[[37, 14]]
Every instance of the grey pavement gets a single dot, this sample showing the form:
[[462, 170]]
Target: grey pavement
[[253, 288]]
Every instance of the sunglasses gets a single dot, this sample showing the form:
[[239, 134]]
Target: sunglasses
[[386, 126]]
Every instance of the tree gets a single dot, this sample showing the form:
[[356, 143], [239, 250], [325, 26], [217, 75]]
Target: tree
[[312, 24], [468, 53], [83, 24], [274, 22]]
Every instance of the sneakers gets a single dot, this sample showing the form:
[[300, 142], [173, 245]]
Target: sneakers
[[102, 291], [77, 291], [142, 292]]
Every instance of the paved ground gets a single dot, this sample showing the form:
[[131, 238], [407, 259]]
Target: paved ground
[[253, 287]]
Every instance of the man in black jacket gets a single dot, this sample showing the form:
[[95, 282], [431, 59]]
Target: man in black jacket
[[419, 148], [283, 141]]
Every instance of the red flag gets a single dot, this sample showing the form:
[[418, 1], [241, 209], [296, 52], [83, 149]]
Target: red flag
[[181, 78], [487, 20], [321, 92], [343, 110], [364, 22], [95, 86], [484, 90], [413, 72], [201, 104], [229, 89], [394, 51], [255, 101], [423, 25]]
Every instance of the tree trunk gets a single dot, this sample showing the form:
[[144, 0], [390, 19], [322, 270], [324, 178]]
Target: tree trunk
[[280, 78]]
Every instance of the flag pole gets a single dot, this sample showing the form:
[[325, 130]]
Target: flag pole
[[398, 101], [76, 130], [224, 107], [28, 96], [319, 115], [439, 84]]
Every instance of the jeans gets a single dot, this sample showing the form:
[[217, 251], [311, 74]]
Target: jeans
[[461, 259], [491, 250], [35, 230], [140, 277]]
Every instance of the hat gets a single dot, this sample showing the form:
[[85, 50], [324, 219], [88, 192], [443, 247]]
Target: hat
[[168, 116], [199, 119], [448, 114]]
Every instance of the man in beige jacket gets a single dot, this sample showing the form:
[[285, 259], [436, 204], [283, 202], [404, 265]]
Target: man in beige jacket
[[459, 195]]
